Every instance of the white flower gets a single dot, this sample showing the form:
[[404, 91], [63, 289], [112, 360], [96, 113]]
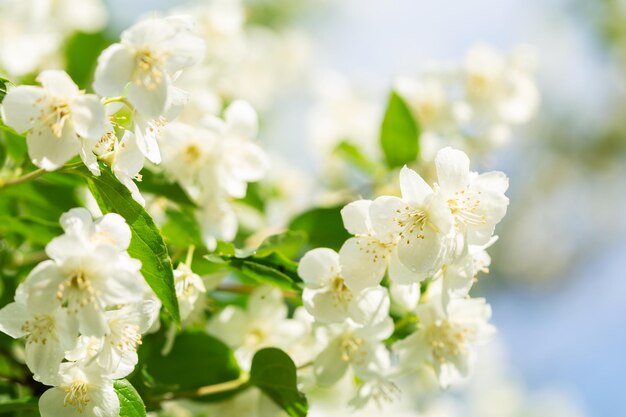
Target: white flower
[[477, 202], [364, 258], [146, 60], [108, 229], [358, 346], [218, 156], [128, 161], [446, 338], [326, 295], [421, 219], [262, 324], [79, 391], [60, 121], [189, 287], [84, 279], [116, 352], [47, 334]]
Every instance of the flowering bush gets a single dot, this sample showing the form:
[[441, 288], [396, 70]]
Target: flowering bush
[[146, 268]]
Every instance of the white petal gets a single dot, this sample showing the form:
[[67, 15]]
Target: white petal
[[58, 83], [44, 359], [19, 108], [363, 262], [51, 404], [146, 134], [88, 157], [414, 188], [104, 402], [266, 303], [114, 70], [229, 325], [12, 318], [241, 120], [318, 266], [129, 159], [356, 217], [50, 152], [112, 228], [77, 221], [399, 273], [89, 116], [384, 212], [92, 321], [422, 252], [186, 49], [370, 306], [249, 161], [329, 366], [150, 101], [452, 169], [324, 305]]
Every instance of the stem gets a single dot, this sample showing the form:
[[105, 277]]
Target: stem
[[118, 99], [24, 178], [6, 183], [207, 390]]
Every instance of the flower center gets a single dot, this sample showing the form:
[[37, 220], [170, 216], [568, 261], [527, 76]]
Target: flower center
[[412, 223], [349, 347], [447, 341], [53, 114], [341, 292], [76, 291], [39, 329], [125, 336], [77, 395], [148, 69], [464, 207]]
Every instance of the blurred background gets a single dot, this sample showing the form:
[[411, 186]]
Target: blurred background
[[558, 279]]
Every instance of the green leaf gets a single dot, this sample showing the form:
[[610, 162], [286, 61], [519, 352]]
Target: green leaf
[[21, 404], [3, 88], [159, 185], [353, 155], [81, 55], [324, 227], [146, 243], [195, 360], [131, 404], [274, 373], [288, 243], [399, 134]]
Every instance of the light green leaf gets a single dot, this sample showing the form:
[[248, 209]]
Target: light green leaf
[[131, 404], [159, 185], [288, 244], [323, 226], [146, 244], [399, 134], [351, 153], [20, 404], [274, 373]]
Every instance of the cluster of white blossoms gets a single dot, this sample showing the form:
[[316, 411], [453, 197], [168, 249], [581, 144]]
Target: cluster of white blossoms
[[60, 121], [82, 314], [32, 32], [435, 235], [472, 104]]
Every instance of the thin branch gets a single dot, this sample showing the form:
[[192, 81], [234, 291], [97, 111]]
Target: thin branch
[[5, 183], [206, 390]]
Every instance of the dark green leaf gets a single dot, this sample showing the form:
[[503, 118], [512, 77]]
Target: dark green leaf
[[324, 227], [159, 185], [146, 244], [274, 373], [181, 229], [399, 134], [3, 88], [196, 360], [131, 404]]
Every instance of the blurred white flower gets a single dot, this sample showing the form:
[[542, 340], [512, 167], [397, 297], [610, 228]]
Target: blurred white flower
[[59, 120]]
